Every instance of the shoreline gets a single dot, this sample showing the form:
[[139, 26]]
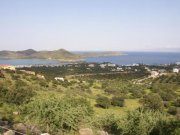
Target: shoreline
[[64, 60]]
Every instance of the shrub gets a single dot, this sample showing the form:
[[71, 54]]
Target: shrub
[[139, 122], [107, 122], [172, 110], [166, 127], [56, 114], [117, 101], [177, 102], [153, 101], [110, 91], [17, 95], [43, 83], [137, 93], [1, 74], [103, 102], [165, 90], [20, 83], [167, 96]]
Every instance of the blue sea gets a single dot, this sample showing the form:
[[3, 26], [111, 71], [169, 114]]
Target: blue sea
[[152, 58], [131, 58], [16, 62]]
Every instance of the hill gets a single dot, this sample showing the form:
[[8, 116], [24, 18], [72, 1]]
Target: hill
[[60, 54]]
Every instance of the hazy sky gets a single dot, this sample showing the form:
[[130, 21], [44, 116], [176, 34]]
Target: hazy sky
[[90, 24]]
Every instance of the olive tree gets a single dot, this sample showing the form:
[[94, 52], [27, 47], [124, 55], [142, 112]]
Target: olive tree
[[153, 101]]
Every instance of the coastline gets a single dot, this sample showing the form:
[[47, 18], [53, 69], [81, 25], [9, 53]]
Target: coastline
[[81, 59]]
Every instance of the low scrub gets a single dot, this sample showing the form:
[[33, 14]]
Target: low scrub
[[54, 114]]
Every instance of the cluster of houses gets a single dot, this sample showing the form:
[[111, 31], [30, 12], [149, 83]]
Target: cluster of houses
[[132, 67], [13, 68], [112, 67], [115, 67], [33, 73], [6, 66], [160, 72], [107, 65]]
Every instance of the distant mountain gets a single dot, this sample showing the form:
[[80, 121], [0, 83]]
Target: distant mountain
[[60, 54], [27, 52]]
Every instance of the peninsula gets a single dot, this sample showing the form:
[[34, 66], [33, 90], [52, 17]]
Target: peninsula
[[61, 54]]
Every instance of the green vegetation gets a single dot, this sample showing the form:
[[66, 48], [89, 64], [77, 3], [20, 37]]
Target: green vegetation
[[57, 114], [140, 122], [103, 102], [18, 94], [153, 101], [78, 70], [117, 103]]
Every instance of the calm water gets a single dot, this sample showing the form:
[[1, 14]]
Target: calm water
[[28, 62], [131, 58], [139, 57]]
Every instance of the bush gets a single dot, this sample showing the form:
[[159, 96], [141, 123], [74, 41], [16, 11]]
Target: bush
[[117, 101], [139, 122], [172, 110], [167, 96], [137, 93], [110, 91], [20, 83], [166, 127], [153, 101], [1, 74], [177, 102], [17, 95], [56, 114], [43, 83], [107, 122], [103, 102], [165, 90]]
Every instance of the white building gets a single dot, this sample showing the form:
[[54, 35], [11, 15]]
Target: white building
[[135, 64], [91, 65], [111, 65], [40, 76], [175, 70], [119, 69], [154, 74], [102, 65], [59, 78]]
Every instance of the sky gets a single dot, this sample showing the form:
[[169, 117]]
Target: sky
[[90, 25]]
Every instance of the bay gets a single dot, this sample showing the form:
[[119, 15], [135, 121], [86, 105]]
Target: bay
[[152, 58], [131, 58], [16, 62]]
